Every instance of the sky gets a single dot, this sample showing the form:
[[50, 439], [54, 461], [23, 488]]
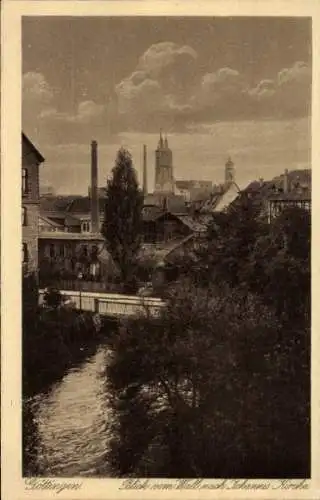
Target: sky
[[216, 86]]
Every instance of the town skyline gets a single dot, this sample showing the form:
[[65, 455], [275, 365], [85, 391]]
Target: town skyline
[[218, 87]]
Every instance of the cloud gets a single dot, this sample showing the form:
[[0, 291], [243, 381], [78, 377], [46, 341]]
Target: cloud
[[38, 102], [166, 55], [88, 111], [161, 84], [300, 73], [36, 89], [287, 95], [167, 88], [220, 87], [265, 88]]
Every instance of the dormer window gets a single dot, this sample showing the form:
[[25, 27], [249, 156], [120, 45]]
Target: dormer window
[[24, 181], [86, 227]]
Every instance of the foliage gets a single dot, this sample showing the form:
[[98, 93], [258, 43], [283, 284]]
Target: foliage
[[190, 390], [52, 297], [51, 338], [280, 268], [219, 385], [29, 295], [122, 226]]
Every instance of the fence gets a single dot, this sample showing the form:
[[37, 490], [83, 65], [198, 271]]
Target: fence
[[116, 305]]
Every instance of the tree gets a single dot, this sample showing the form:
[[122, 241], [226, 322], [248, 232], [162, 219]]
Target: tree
[[122, 225], [189, 391], [280, 266], [53, 297], [231, 236]]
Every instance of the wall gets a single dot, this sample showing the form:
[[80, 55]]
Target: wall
[[30, 201], [69, 258]]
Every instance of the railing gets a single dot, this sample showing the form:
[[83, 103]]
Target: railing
[[116, 305]]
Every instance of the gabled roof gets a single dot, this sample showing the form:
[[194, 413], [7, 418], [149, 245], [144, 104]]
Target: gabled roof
[[55, 216], [159, 252], [50, 222], [71, 221], [174, 203], [297, 195], [197, 225], [151, 213], [55, 203], [32, 147], [82, 205], [183, 184]]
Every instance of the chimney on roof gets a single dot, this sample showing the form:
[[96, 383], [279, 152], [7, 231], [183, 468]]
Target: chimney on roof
[[95, 223], [165, 203], [145, 179], [286, 181]]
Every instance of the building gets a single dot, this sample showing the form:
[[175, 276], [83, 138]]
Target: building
[[191, 190], [70, 226], [65, 255], [164, 180], [46, 190], [291, 189], [31, 160]]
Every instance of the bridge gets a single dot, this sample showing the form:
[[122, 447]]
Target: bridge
[[111, 304]]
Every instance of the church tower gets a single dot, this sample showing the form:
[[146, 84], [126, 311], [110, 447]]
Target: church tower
[[164, 182], [229, 172]]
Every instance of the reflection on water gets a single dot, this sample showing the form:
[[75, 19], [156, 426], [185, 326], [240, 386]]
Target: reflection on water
[[70, 423]]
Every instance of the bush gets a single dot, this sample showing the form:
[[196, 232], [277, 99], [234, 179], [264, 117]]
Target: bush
[[200, 392]]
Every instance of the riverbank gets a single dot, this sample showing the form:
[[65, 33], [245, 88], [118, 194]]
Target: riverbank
[[56, 343], [53, 342], [67, 427]]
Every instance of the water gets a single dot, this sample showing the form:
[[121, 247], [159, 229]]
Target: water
[[71, 423]]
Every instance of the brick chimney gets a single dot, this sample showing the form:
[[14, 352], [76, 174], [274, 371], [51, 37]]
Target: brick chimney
[[145, 179], [95, 222]]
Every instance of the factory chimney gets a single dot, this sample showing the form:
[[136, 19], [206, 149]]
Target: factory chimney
[[145, 179], [95, 223], [286, 181]]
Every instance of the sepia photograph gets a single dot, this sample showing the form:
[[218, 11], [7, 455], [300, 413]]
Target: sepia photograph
[[166, 247]]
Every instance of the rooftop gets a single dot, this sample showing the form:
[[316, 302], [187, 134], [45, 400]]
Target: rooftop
[[32, 147], [62, 235], [159, 252]]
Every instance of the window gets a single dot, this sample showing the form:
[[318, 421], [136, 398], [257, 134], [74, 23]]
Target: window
[[51, 251], [24, 181], [61, 251], [24, 253], [24, 216], [86, 227]]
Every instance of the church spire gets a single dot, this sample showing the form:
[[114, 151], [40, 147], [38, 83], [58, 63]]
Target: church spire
[[229, 171]]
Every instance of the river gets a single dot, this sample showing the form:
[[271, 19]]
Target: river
[[68, 435]]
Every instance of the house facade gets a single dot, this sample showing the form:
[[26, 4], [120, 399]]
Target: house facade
[[65, 255], [291, 189], [31, 161]]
